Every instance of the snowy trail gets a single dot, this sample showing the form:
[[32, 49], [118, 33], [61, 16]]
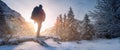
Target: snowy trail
[[101, 44]]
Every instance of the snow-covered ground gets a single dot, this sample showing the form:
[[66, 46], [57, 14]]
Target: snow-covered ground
[[101, 44]]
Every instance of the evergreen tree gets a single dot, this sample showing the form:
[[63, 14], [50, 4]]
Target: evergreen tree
[[65, 17], [86, 19], [107, 19], [69, 29], [1, 16], [87, 29], [64, 22], [70, 14]]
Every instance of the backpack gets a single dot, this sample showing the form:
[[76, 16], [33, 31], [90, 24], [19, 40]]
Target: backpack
[[35, 13], [38, 14]]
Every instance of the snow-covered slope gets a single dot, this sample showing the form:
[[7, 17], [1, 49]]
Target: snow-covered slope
[[8, 11], [101, 44], [12, 22]]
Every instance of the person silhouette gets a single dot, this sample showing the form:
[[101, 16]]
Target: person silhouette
[[38, 15]]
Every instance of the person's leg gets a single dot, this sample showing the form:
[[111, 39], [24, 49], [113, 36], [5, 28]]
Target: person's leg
[[39, 28]]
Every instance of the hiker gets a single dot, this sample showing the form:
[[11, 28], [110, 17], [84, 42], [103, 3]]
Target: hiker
[[38, 15]]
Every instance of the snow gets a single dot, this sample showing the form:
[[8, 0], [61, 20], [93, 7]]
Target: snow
[[30, 46], [7, 47], [99, 44]]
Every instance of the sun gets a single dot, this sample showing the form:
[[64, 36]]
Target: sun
[[43, 27], [33, 24], [35, 27]]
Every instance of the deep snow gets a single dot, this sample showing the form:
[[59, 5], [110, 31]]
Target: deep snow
[[101, 44]]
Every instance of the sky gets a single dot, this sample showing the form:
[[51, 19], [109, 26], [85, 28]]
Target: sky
[[52, 8]]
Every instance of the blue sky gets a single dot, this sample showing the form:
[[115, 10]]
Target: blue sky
[[52, 8]]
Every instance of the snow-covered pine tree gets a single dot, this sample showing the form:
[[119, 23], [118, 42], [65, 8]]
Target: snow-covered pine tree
[[70, 15], [1, 16], [87, 28], [107, 18], [67, 27], [64, 21]]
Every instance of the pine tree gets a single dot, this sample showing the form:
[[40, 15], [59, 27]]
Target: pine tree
[[65, 17], [2, 20], [64, 22], [107, 19], [67, 27], [86, 19], [87, 29], [70, 14]]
